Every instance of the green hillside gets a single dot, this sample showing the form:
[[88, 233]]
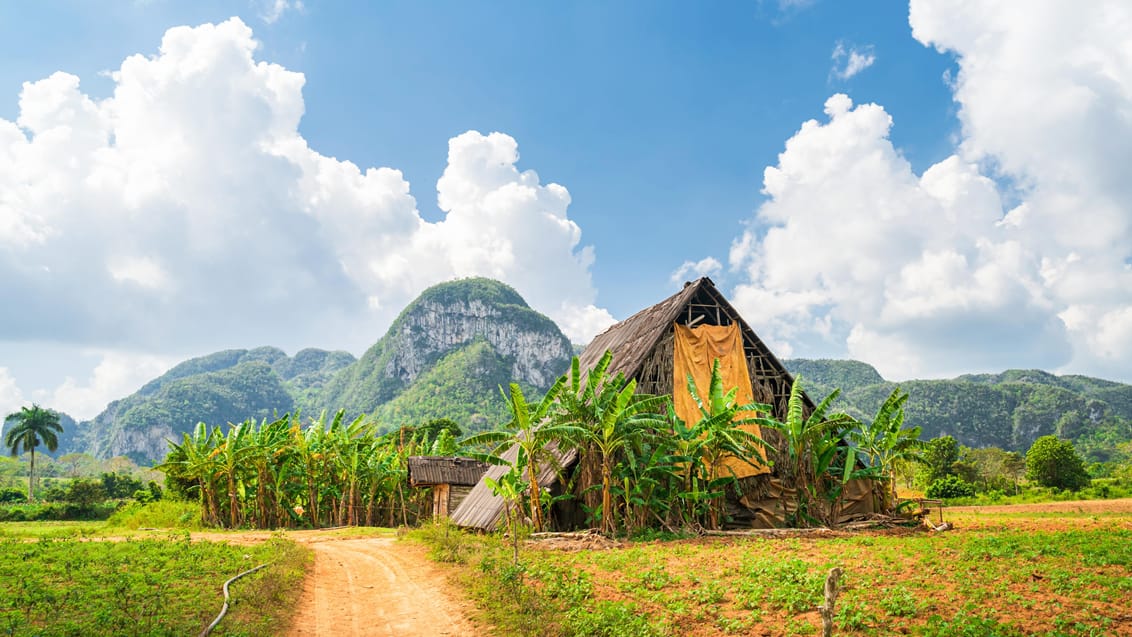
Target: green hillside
[[462, 386], [247, 390], [824, 375], [444, 356], [226, 386], [1008, 410]]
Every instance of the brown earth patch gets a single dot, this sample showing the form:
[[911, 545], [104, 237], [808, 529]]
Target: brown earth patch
[[377, 586], [368, 586]]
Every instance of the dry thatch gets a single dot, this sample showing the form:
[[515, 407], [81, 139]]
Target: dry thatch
[[482, 509], [431, 470]]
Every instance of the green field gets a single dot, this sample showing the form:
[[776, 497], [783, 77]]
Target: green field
[[1057, 569], [56, 580]]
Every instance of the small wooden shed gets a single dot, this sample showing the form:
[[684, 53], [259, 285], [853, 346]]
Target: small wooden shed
[[451, 478]]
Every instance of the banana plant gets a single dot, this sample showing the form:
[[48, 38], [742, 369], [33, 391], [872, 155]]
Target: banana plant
[[531, 429], [611, 419], [885, 441], [719, 433], [813, 444], [510, 488]]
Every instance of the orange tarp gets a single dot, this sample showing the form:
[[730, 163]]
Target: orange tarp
[[695, 351]]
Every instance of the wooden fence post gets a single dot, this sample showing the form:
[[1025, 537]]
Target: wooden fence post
[[832, 589]]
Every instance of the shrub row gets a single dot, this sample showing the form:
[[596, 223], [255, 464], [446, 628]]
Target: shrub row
[[56, 511]]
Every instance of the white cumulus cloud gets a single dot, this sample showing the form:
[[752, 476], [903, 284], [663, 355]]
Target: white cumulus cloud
[[849, 60], [1045, 99], [932, 274], [11, 397], [186, 212], [913, 273], [706, 266]]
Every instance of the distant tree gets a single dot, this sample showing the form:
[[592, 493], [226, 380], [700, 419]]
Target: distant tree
[[432, 430], [966, 468], [444, 445], [32, 426], [84, 493], [1053, 462], [75, 465], [1014, 467], [939, 457], [993, 468], [120, 485]]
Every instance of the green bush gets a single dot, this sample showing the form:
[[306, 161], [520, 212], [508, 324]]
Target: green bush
[[163, 514], [610, 619], [12, 495], [950, 487], [55, 511]]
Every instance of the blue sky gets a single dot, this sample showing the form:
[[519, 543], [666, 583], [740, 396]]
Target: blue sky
[[651, 116], [923, 221]]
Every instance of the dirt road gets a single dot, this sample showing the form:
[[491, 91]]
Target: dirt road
[[376, 586]]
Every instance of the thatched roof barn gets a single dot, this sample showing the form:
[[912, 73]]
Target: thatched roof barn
[[643, 345], [659, 346], [450, 478]]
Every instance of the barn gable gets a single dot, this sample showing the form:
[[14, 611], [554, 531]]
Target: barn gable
[[642, 345]]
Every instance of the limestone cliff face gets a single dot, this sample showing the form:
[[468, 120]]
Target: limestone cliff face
[[149, 444], [445, 319], [539, 353]]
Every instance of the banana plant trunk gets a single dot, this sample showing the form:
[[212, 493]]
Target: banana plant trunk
[[536, 501], [233, 504], [607, 494]]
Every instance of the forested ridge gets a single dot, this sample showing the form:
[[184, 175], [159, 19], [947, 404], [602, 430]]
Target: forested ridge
[[1009, 410], [450, 350], [445, 356]]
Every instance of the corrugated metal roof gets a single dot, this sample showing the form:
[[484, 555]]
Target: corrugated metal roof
[[482, 509], [426, 470]]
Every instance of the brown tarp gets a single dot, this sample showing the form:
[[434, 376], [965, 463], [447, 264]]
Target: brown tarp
[[766, 508], [695, 351]]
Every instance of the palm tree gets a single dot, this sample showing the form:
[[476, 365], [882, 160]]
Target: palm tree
[[33, 425]]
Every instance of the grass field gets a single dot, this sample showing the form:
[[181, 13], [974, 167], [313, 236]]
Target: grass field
[[1053, 569], [56, 580]]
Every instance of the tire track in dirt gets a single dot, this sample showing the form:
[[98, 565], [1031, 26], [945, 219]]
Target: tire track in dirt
[[377, 586]]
